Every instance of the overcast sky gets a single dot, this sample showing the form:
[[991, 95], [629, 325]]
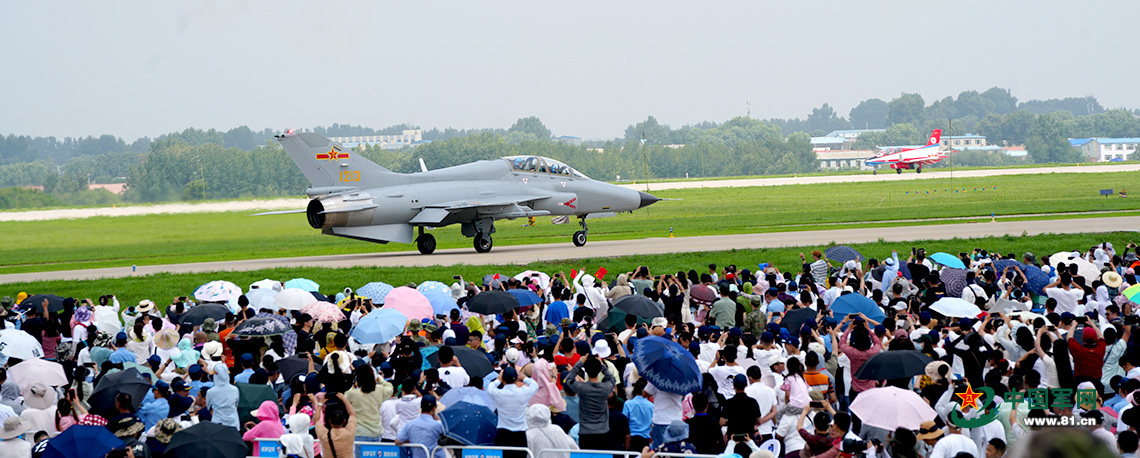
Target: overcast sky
[[586, 68]]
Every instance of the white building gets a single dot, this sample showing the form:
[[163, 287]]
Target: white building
[[844, 159], [1102, 149], [408, 137]]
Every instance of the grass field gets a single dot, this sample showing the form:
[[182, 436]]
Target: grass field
[[178, 238], [161, 288]]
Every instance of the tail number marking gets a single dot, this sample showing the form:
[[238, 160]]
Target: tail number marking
[[349, 176]]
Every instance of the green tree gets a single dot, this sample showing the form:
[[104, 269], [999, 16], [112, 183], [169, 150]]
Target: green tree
[[531, 125], [1001, 99], [869, 114], [825, 119], [906, 108], [1048, 141]]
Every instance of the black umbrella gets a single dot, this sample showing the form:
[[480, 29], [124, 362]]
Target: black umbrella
[[198, 314], [887, 365], [843, 253], [639, 306], [953, 280], [128, 381], [614, 321], [55, 303], [207, 440], [473, 361], [320, 297], [794, 320], [492, 302], [261, 326], [295, 365]]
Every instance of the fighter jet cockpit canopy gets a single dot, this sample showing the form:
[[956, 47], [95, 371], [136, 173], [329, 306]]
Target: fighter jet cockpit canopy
[[539, 164]]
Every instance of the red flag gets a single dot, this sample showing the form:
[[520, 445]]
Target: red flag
[[496, 277], [573, 273], [601, 273]]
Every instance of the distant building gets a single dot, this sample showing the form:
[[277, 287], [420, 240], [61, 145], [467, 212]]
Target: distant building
[[569, 140], [968, 141], [115, 188], [827, 143], [844, 159], [407, 138], [1102, 149], [851, 134]]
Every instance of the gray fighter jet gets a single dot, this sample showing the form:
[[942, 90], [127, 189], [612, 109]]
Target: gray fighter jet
[[355, 198]]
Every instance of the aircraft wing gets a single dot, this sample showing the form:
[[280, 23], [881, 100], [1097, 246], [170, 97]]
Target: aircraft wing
[[498, 208]]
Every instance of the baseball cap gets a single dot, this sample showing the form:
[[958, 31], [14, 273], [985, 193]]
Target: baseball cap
[[659, 321], [739, 381]]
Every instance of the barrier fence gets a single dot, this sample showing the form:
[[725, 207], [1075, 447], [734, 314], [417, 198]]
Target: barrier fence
[[480, 451], [270, 448]]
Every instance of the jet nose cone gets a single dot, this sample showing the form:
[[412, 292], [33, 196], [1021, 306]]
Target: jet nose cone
[[646, 199]]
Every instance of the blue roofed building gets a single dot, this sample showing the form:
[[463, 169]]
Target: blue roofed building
[[1105, 149], [569, 140]]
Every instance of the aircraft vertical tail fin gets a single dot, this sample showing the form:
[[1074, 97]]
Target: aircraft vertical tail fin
[[935, 137], [326, 164]]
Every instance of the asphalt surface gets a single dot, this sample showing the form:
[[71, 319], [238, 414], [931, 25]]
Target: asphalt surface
[[523, 254]]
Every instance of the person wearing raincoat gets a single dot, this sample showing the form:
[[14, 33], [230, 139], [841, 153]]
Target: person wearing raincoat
[[222, 399], [269, 426], [298, 442], [542, 435]]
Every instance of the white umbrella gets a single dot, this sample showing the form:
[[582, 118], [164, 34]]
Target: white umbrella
[[293, 299], [266, 284], [262, 299], [218, 291], [49, 373], [19, 344], [1084, 268], [543, 278], [891, 408], [955, 307]]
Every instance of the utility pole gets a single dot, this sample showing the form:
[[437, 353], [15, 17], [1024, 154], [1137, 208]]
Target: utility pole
[[645, 154]]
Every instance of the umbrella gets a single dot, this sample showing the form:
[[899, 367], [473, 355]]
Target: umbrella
[[324, 312], [379, 326], [293, 299], [667, 365], [526, 297], [218, 291], [487, 279], [295, 365], [198, 314], [886, 365], [474, 362], [433, 287], [469, 423], [794, 319], [468, 394], [49, 373], [250, 397], [267, 284], [143, 369], [1001, 264], [891, 408], [542, 277], [303, 284], [19, 344], [955, 307], [82, 441], [492, 302], [376, 291], [947, 260], [702, 295], [55, 303], [413, 304], [441, 304], [262, 299], [261, 326], [614, 321], [843, 253], [1036, 279], [207, 440], [1026, 317], [1132, 293], [166, 338], [954, 280], [1084, 268], [128, 381], [855, 303], [639, 306], [319, 297]]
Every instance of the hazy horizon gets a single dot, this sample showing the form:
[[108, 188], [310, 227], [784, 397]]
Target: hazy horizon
[[590, 69]]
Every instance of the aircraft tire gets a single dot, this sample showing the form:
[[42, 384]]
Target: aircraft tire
[[918, 170], [579, 238], [426, 243], [899, 171], [483, 243]]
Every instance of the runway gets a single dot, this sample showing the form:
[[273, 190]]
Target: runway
[[523, 254]]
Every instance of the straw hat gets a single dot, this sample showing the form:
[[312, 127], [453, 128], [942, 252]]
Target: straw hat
[[1112, 279], [12, 427], [929, 430]]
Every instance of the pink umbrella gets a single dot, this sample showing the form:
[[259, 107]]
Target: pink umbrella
[[413, 304], [890, 408], [323, 312]]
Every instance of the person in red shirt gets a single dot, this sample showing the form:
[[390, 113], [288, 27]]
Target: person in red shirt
[[1088, 353]]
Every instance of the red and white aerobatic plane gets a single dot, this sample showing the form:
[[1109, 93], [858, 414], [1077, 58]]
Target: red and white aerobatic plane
[[910, 158]]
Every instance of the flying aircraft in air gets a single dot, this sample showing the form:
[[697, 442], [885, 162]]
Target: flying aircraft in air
[[353, 197], [909, 158]]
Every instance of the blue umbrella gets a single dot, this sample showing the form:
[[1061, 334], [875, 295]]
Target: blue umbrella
[[471, 424], [433, 287], [855, 303], [525, 296], [947, 260], [441, 304], [379, 326], [667, 365], [82, 441], [376, 291], [1001, 264], [1037, 279], [843, 253], [468, 394], [303, 283]]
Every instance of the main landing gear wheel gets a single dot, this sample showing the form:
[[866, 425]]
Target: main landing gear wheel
[[580, 238], [918, 170], [483, 243], [425, 243], [899, 171]]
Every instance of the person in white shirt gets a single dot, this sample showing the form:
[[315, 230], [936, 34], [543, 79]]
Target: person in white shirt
[[1066, 295], [723, 374], [946, 445], [449, 369], [765, 398]]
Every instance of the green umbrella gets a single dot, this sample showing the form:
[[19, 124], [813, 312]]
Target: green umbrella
[[250, 397], [614, 321]]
